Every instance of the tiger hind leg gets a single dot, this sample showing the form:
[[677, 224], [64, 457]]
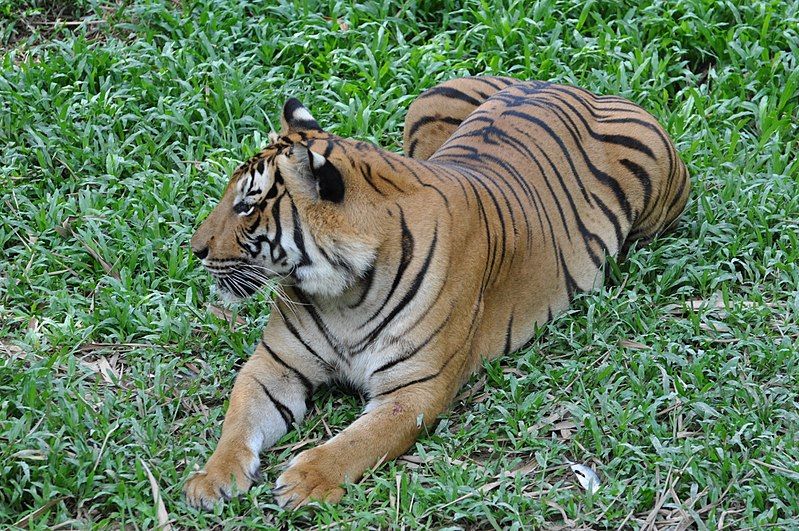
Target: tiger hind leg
[[438, 111]]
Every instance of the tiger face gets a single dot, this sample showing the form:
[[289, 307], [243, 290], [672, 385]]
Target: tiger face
[[291, 214]]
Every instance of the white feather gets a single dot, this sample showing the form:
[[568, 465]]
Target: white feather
[[586, 477]]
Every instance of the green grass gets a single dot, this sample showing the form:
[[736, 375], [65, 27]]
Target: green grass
[[679, 382]]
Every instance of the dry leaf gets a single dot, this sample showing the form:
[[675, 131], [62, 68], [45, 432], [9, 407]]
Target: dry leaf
[[546, 421], [564, 425], [713, 302], [714, 326], [12, 351], [626, 343], [225, 314], [526, 469], [103, 367], [65, 230], [413, 459], [25, 520], [343, 26], [163, 516], [31, 455], [108, 268]]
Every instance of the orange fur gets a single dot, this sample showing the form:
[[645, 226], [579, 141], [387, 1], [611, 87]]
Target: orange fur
[[426, 265]]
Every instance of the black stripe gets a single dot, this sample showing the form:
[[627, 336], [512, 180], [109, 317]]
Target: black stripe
[[306, 383], [643, 177], [408, 384], [600, 175], [475, 314], [366, 170], [390, 182], [614, 220], [369, 280], [275, 243], [285, 413], [412, 148], [435, 189], [328, 150], [269, 195], [571, 285], [508, 334], [299, 239], [449, 92], [564, 149], [678, 196], [406, 255], [626, 141], [492, 243], [293, 331], [430, 119], [306, 305], [529, 188], [587, 234], [488, 238], [406, 298], [514, 174], [622, 140], [413, 352], [491, 81]]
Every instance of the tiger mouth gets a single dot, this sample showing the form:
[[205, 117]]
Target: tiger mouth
[[241, 281], [237, 287]]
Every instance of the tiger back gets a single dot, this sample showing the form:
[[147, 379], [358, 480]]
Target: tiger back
[[435, 115]]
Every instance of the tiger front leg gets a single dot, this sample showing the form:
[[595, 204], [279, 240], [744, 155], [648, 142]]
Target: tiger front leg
[[269, 396], [388, 428]]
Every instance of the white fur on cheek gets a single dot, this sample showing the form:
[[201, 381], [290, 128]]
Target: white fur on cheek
[[261, 181], [243, 185], [322, 278]]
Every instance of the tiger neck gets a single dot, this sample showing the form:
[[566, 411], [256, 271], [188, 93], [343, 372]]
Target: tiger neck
[[365, 294]]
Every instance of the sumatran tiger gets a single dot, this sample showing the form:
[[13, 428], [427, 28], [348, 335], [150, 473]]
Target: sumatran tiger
[[399, 273]]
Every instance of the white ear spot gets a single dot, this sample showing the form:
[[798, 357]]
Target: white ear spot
[[317, 160], [301, 114]]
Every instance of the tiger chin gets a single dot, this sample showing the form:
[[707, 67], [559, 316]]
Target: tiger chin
[[400, 273]]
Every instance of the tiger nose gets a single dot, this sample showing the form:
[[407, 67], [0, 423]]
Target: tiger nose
[[200, 253]]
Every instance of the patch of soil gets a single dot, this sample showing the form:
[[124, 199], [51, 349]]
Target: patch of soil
[[41, 19]]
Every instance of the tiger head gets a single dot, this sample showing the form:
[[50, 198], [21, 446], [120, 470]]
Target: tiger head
[[296, 212]]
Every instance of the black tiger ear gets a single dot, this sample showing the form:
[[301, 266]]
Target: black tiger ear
[[297, 118], [328, 179]]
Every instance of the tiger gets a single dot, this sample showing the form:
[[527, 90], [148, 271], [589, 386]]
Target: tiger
[[398, 274]]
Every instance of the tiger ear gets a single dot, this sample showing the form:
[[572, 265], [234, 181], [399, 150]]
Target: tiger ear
[[329, 182], [296, 117]]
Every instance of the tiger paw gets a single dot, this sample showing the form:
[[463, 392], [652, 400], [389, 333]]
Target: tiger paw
[[220, 480], [311, 476]]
